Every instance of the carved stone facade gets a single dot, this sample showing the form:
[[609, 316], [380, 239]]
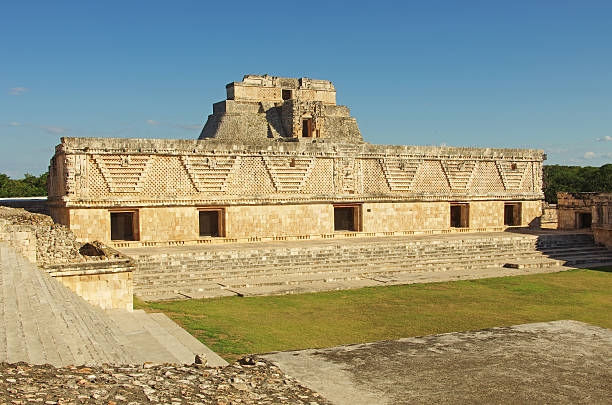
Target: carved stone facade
[[252, 175], [591, 211]]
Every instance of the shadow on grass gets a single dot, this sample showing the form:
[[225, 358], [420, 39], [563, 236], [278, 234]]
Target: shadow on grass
[[606, 269]]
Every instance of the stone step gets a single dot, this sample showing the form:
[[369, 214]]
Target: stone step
[[356, 261], [180, 354], [144, 345], [218, 276], [531, 264], [190, 342]]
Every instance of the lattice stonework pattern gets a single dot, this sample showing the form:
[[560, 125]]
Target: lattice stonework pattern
[[400, 173], [512, 173], [289, 173], [321, 178], [459, 173], [124, 173], [431, 178], [486, 178], [210, 173]]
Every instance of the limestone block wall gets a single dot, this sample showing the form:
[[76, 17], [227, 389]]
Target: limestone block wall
[[392, 217], [21, 238], [531, 213], [176, 223], [90, 224], [245, 221], [279, 188], [108, 285]]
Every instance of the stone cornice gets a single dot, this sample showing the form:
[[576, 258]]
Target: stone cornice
[[283, 200], [180, 147]]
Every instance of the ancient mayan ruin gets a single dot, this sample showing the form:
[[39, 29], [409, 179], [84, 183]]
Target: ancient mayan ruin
[[280, 160]]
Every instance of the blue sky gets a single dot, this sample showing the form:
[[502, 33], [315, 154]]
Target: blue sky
[[535, 74]]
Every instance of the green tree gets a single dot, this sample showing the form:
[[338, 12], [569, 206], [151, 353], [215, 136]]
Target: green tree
[[29, 186]]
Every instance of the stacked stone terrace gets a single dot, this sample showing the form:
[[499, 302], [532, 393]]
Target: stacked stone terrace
[[286, 267]]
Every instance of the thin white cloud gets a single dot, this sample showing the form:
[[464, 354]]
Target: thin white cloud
[[11, 124], [17, 91], [170, 125], [606, 138], [556, 150], [598, 155], [53, 129]]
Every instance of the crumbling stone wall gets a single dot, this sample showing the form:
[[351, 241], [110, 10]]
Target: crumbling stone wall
[[99, 274], [52, 243]]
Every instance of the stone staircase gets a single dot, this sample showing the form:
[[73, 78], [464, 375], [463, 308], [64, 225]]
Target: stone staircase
[[290, 267], [43, 322]]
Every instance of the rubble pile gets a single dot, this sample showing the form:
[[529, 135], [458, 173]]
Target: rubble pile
[[248, 381]]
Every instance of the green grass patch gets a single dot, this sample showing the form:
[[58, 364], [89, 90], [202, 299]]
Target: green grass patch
[[234, 326]]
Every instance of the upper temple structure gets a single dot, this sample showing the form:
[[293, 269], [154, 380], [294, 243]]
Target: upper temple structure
[[281, 108], [280, 160]]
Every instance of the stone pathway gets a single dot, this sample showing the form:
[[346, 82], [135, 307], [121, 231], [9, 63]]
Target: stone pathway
[[561, 362]]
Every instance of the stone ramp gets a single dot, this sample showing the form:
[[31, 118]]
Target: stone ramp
[[560, 362], [43, 322], [306, 266]]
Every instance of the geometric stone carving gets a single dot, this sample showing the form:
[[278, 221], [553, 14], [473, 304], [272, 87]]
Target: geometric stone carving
[[209, 173], [512, 173], [124, 173], [289, 174], [399, 172], [459, 173]]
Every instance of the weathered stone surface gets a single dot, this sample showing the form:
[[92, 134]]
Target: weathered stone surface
[[561, 362]]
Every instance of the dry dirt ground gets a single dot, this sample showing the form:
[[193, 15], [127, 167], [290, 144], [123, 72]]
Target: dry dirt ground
[[561, 362]]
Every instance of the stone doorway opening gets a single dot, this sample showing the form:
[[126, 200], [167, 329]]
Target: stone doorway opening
[[347, 218], [307, 128], [512, 214], [286, 94], [211, 223], [583, 220], [459, 215], [124, 225]]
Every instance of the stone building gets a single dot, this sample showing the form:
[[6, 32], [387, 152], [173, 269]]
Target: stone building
[[587, 211], [280, 160]]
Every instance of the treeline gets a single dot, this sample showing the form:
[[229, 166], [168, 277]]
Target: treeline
[[29, 186], [576, 179], [556, 178]]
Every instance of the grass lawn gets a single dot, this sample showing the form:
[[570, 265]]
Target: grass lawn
[[234, 326]]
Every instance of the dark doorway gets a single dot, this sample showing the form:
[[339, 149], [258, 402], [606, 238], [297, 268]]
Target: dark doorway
[[209, 223], [123, 226], [512, 214], [459, 216], [584, 220], [346, 218], [307, 128], [286, 95]]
